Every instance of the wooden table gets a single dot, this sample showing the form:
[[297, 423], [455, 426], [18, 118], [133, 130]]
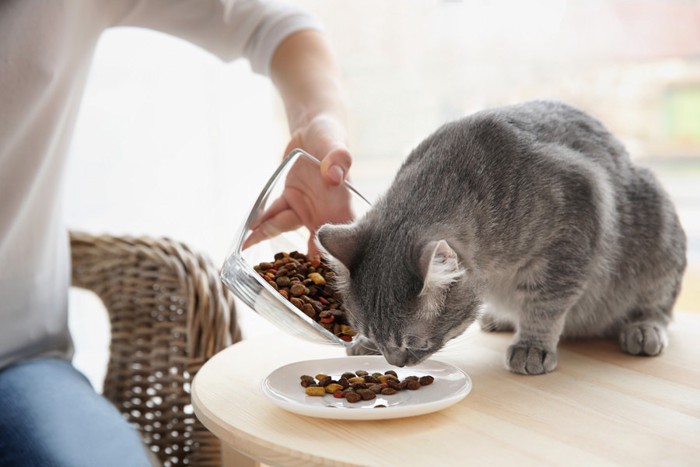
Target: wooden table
[[600, 407]]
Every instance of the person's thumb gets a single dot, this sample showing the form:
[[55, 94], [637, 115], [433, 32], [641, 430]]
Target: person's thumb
[[336, 165]]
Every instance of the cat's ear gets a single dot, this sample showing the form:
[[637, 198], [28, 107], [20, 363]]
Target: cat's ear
[[440, 267], [341, 241]]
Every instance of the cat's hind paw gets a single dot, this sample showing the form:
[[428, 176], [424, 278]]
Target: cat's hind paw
[[363, 346], [530, 360], [643, 338]]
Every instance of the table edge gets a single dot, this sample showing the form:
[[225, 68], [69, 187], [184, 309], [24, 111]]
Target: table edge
[[243, 442]]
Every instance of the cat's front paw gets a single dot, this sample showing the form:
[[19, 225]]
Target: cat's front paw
[[530, 359], [643, 338], [363, 346]]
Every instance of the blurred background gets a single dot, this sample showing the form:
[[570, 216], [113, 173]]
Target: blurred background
[[173, 142]]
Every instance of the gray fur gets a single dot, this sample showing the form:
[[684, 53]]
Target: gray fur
[[556, 232]]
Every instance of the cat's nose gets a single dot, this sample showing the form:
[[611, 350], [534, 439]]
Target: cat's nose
[[397, 357]]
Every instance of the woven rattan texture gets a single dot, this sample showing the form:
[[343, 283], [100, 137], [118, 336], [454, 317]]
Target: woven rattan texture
[[169, 313]]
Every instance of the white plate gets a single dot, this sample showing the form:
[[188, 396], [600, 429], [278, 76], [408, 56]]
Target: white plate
[[283, 388]]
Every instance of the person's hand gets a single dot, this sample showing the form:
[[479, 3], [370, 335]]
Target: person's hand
[[311, 197], [324, 138], [304, 70]]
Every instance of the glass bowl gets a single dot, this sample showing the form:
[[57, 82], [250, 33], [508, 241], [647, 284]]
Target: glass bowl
[[240, 277]]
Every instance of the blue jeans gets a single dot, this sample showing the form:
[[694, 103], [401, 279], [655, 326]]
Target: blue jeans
[[51, 416]]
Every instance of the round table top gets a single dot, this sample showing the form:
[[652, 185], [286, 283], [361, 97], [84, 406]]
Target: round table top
[[599, 407]]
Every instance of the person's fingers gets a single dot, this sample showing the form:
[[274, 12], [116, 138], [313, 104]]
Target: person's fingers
[[336, 165], [282, 222], [277, 206], [256, 236]]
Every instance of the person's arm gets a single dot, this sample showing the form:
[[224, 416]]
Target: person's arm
[[281, 41], [305, 71]]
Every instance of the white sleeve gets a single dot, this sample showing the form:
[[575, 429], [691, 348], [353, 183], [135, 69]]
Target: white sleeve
[[230, 29]]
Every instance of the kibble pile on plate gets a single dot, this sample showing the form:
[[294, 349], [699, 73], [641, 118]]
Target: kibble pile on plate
[[305, 282], [361, 385]]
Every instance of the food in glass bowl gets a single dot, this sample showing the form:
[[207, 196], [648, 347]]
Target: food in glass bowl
[[254, 289], [307, 282]]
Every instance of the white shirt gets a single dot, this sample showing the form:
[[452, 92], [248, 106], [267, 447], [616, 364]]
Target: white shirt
[[46, 48]]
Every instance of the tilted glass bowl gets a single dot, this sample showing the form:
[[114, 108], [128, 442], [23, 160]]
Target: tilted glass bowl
[[240, 277]]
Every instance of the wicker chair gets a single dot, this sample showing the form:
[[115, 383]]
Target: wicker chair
[[169, 313]]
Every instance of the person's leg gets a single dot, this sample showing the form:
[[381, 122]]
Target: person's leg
[[51, 416]]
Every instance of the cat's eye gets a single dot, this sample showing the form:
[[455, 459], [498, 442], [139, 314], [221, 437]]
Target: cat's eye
[[420, 348]]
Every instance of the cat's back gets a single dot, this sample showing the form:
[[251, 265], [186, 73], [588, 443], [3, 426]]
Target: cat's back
[[500, 138], [556, 123], [496, 153]]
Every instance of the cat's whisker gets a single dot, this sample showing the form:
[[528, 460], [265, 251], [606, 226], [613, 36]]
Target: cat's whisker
[[411, 353], [365, 346]]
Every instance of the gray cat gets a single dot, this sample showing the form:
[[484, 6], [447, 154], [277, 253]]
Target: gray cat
[[530, 216]]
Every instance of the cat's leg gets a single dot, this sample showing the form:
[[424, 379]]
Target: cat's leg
[[534, 348], [644, 330], [547, 290], [363, 346]]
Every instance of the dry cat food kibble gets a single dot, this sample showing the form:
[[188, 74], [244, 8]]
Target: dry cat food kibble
[[361, 385], [303, 281]]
